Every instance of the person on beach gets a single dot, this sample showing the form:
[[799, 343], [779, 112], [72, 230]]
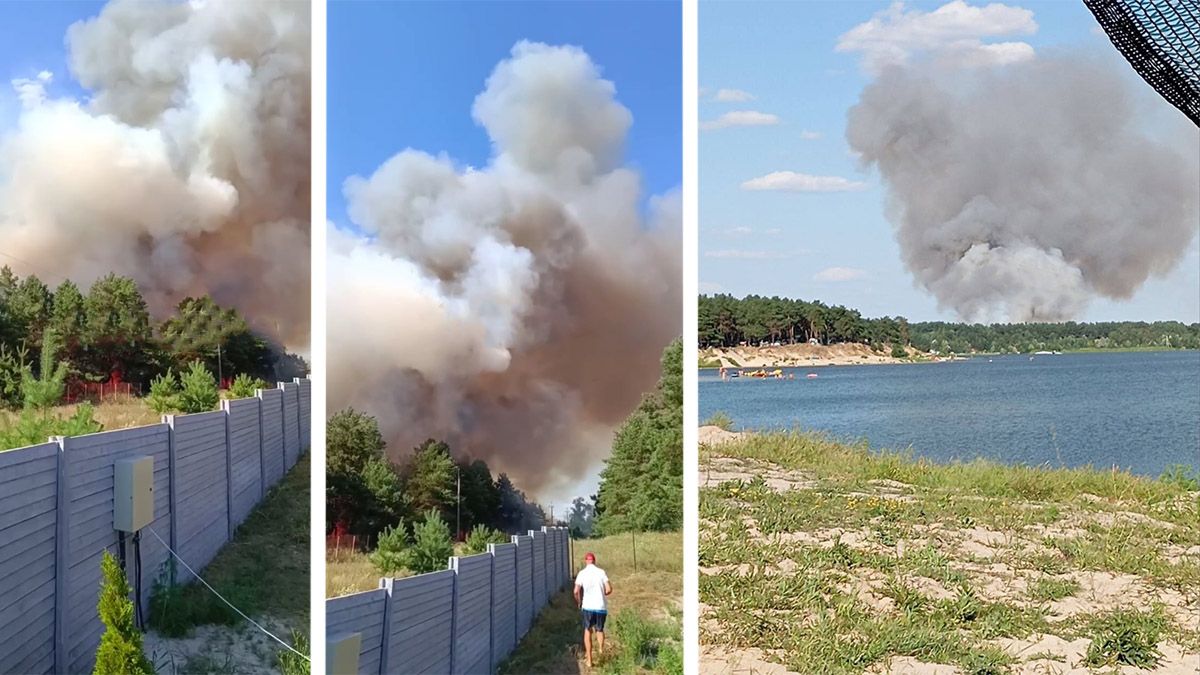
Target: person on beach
[[591, 590]]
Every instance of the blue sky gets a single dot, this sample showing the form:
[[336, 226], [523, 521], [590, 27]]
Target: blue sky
[[405, 74], [35, 40], [773, 243]]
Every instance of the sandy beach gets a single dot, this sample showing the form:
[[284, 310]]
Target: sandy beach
[[845, 354]]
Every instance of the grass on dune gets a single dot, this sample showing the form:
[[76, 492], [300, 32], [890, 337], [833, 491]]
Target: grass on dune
[[851, 464], [868, 555], [645, 620]]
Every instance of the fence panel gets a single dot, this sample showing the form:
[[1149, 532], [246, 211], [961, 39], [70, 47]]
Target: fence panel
[[271, 404], [504, 600], [201, 520], [421, 625], [472, 613], [305, 412], [291, 423], [28, 521], [539, 570], [524, 564], [359, 613], [89, 493], [245, 452]]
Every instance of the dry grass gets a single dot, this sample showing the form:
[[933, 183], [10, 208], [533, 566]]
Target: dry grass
[[117, 412]]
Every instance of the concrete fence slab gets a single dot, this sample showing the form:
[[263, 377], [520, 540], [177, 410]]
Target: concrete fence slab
[[360, 613], [421, 623], [56, 519]]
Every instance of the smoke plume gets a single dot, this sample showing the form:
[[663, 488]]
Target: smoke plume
[[1025, 191], [517, 311], [187, 167]]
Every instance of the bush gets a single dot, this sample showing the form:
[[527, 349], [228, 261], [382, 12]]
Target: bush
[[432, 546], [175, 610], [120, 651], [164, 393], [291, 664], [899, 352], [32, 428], [1125, 637], [198, 390], [720, 419], [12, 369], [47, 390], [243, 386], [392, 552], [481, 536]]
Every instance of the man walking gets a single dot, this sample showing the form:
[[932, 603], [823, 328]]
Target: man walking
[[591, 588]]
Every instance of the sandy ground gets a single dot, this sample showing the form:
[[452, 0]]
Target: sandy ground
[[849, 354], [218, 649], [984, 556]]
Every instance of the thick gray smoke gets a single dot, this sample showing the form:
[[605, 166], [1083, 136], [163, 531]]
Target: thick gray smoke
[[187, 168], [1025, 191], [517, 311]]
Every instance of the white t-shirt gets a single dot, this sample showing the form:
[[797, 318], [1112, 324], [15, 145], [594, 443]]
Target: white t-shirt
[[592, 580]]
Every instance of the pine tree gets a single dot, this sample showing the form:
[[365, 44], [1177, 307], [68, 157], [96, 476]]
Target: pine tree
[[641, 486], [120, 651], [432, 547]]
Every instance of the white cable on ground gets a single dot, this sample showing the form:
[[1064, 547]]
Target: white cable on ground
[[242, 614]]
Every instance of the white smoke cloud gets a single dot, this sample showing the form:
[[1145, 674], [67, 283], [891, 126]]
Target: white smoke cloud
[[491, 307], [1026, 191], [186, 167]]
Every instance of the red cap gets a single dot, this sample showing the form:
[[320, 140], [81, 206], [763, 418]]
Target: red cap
[[589, 556]]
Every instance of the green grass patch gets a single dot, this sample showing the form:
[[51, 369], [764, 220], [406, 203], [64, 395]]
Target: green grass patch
[[1126, 637], [269, 547]]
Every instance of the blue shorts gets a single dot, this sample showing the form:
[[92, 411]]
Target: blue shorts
[[594, 620]]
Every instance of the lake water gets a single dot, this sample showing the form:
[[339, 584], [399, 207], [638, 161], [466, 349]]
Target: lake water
[[1139, 411]]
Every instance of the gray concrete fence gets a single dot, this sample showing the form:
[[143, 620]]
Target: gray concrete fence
[[56, 514], [462, 620]]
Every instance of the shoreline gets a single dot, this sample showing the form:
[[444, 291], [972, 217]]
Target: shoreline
[[857, 354]]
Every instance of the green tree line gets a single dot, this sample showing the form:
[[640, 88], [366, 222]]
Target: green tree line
[[108, 330], [641, 486], [726, 321], [368, 492]]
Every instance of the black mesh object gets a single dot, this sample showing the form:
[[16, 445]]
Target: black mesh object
[[1161, 40]]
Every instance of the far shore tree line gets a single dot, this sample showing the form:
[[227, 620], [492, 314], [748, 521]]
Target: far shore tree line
[[107, 334], [409, 509], [726, 321]]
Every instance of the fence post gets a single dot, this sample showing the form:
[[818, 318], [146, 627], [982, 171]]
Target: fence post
[[299, 418], [453, 610], [262, 460], [169, 420], [387, 584], [228, 472], [62, 517], [491, 607], [283, 427]]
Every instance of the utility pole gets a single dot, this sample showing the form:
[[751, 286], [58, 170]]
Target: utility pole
[[220, 377], [458, 500]]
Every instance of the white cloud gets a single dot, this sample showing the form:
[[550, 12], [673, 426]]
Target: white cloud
[[836, 274], [810, 135], [741, 118], [733, 96], [894, 35], [790, 181], [32, 92], [738, 254]]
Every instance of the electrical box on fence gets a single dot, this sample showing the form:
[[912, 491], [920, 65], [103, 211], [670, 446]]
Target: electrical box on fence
[[133, 495], [341, 654]]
